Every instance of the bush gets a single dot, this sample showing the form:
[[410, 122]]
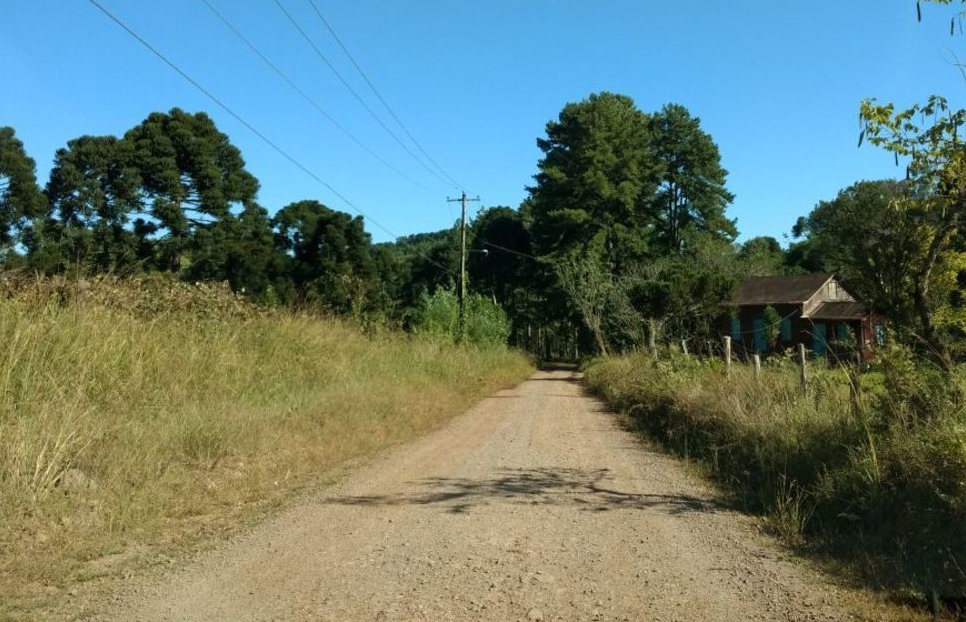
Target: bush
[[486, 321]]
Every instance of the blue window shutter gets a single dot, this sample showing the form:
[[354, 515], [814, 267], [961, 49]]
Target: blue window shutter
[[760, 343]]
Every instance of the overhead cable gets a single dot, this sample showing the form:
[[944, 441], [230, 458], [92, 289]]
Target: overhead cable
[[251, 46], [251, 127], [355, 94], [378, 95]]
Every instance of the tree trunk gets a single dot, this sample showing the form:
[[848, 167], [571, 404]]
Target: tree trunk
[[920, 296], [599, 339]]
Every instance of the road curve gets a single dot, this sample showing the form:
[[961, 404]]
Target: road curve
[[533, 505]]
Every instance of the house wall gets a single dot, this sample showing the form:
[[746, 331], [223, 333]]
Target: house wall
[[743, 346], [832, 291], [802, 331]]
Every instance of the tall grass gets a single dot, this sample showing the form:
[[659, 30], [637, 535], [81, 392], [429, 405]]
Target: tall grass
[[124, 424], [869, 468]]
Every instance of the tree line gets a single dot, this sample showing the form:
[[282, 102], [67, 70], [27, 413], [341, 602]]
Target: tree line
[[623, 237]]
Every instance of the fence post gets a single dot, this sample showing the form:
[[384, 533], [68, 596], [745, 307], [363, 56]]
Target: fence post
[[727, 354], [854, 389], [803, 373], [757, 358], [684, 348], [651, 337]]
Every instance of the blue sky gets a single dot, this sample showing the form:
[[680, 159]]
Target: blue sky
[[777, 85]]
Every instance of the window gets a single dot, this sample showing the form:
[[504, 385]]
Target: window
[[880, 335], [786, 328], [736, 329], [842, 332]]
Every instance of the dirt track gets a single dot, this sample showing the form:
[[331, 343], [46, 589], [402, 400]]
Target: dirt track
[[534, 505]]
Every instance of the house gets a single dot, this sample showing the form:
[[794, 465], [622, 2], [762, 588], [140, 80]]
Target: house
[[814, 309]]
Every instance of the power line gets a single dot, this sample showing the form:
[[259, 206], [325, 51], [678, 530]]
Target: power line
[[355, 94], [508, 250], [249, 126], [311, 101], [378, 94]]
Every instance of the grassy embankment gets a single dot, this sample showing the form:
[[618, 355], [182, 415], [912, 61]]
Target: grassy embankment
[[876, 478], [141, 418]]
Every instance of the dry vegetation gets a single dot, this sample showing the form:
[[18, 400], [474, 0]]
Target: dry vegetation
[[876, 478], [137, 417]]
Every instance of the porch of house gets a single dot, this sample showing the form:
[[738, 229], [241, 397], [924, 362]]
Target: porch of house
[[835, 331]]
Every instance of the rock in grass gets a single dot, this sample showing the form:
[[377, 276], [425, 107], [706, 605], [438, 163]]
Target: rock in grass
[[75, 479]]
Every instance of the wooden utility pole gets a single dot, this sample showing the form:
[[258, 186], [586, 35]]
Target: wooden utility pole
[[462, 284]]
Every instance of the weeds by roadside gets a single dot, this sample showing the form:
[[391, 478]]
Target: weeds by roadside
[[875, 477], [122, 422]]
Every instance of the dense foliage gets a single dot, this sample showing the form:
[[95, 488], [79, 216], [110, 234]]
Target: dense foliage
[[623, 240]]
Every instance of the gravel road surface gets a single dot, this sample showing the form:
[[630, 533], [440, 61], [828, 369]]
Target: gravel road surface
[[534, 505]]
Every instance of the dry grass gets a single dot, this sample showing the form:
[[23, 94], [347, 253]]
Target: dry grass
[[123, 427], [876, 478]]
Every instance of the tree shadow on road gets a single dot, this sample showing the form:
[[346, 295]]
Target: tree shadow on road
[[587, 490]]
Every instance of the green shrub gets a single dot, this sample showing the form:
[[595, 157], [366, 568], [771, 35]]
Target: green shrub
[[486, 321]]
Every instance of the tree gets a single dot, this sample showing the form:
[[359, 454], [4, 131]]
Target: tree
[[595, 182], [241, 250], [500, 260], [328, 255], [418, 265], [691, 198], [191, 178], [93, 192], [20, 198], [590, 287], [870, 236], [761, 256], [684, 292], [937, 171]]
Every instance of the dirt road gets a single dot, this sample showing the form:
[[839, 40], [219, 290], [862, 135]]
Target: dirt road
[[534, 505]]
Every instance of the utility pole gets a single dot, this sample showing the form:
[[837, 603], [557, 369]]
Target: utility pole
[[462, 285]]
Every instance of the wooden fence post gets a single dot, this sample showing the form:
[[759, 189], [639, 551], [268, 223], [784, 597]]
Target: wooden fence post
[[727, 354], [757, 358], [803, 373], [684, 348], [854, 387]]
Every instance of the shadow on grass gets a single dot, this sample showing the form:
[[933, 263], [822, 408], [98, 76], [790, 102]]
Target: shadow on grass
[[586, 490]]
